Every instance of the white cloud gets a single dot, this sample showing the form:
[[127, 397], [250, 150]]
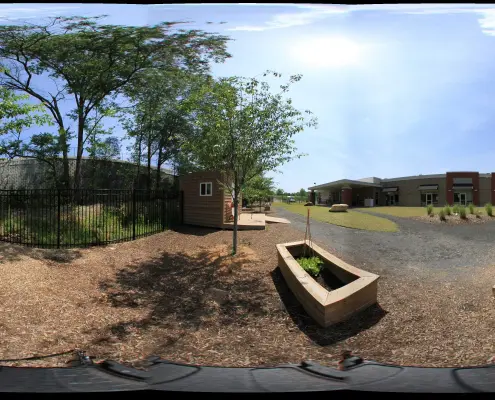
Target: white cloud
[[314, 13], [287, 20]]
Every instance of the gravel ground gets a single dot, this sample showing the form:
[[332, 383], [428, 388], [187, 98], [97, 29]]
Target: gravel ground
[[417, 247]]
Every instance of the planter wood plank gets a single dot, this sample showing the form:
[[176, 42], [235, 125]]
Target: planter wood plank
[[359, 290]]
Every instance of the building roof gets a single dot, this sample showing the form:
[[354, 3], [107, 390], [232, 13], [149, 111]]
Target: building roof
[[349, 182], [375, 182]]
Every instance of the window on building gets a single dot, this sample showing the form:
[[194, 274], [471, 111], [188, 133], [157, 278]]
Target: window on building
[[205, 189], [429, 198], [463, 198]]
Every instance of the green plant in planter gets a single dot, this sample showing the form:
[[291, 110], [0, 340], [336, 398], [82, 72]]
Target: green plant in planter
[[455, 209], [471, 208], [447, 210], [312, 265], [429, 209], [462, 212]]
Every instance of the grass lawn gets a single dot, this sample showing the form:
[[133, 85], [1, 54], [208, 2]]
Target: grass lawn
[[407, 212], [349, 219]]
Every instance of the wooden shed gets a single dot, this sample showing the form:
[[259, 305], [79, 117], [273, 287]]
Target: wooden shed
[[205, 202]]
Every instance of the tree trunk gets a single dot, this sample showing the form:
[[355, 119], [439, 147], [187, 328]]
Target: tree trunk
[[80, 148], [138, 168], [149, 164], [65, 158], [158, 167], [236, 202]]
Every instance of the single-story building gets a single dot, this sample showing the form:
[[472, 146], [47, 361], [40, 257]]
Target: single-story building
[[452, 188], [205, 202]]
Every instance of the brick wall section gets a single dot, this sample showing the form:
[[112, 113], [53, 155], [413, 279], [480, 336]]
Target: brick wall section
[[449, 193], [347, 196], [493, 187]]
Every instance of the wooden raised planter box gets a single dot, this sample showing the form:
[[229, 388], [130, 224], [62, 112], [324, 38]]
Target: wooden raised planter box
[[358, 290]]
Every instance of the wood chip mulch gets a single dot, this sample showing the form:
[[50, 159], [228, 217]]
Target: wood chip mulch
[[180, 295]]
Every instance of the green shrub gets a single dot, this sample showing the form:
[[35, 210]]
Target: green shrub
[[429, 209], [312, 265], [441, 214], [447, 210], [462, 212], [489, 209], [471, 208], [455, 209]]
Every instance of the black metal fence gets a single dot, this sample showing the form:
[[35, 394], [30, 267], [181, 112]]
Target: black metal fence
[[86, 217]]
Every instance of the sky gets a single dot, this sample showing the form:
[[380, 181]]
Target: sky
[[398, 90]]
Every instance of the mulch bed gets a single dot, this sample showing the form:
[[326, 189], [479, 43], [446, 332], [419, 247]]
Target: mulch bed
[[180, 295], [455, 219]]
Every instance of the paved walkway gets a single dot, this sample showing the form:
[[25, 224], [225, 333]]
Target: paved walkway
[[418, 246]]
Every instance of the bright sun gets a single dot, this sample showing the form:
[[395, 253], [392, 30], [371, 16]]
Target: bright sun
[[326, 52]]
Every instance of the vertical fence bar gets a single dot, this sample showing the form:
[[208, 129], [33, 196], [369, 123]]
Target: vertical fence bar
[[58, 219], [133, 214], [164, 221]]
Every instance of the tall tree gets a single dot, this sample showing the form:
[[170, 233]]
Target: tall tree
[[279, 192], [156, 123], [88, 62], [243, 130]]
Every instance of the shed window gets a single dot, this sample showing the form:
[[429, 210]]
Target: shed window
[[205, 189]]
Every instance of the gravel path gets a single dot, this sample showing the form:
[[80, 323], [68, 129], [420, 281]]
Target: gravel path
[[417, 247]]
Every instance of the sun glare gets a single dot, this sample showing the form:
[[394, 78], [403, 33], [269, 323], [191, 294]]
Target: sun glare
[[326, 52]]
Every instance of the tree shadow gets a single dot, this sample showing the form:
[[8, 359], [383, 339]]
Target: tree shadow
[[186, 291], [13, 252], [195, 230], [324, 336]]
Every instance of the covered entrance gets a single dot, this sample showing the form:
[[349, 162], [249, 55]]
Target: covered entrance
[[463, 198], [346, 191], [429, 194], [391, 196]]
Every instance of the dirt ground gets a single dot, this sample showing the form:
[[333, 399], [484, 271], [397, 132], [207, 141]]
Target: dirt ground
[[181, 296]]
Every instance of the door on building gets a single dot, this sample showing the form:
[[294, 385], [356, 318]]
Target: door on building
[[391, 200], [429, 198], [460, 198]]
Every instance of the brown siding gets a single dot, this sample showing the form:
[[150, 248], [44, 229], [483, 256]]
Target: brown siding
[[410, 195], [202, 210], [485, 190]]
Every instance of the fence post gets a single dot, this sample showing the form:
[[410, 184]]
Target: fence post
[[181, 207], [133, 214], [58, 218], [164, 221]]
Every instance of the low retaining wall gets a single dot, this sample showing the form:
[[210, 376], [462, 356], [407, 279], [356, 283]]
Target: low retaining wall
[[327, 307]]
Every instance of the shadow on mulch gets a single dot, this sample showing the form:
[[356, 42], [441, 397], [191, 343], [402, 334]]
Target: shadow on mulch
[[178, 289], [195, 230], [324, 336], [13, 252]]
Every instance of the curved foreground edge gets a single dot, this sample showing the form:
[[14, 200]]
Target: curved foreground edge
[[327, 307], [162, 375]]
